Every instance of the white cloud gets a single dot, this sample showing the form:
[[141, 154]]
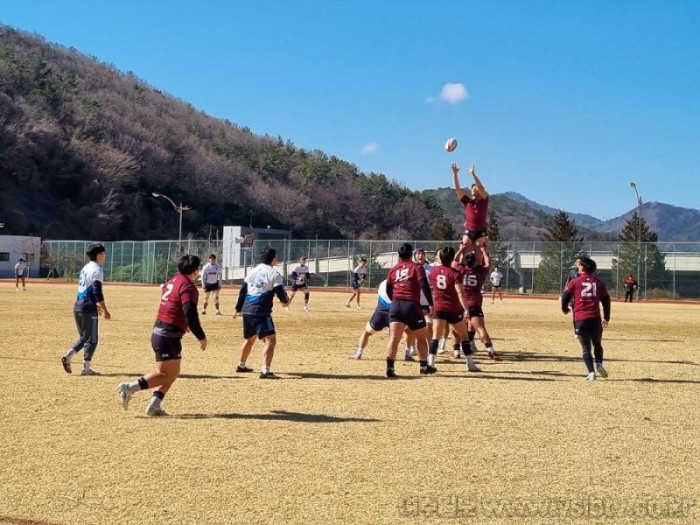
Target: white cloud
[[370, 147], [451, 93]]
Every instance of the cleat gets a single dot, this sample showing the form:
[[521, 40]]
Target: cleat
[[268, 375], [390, 372], [347, 305], [243, 369], [359, 307], [306, 308], [286, 308], [90, 372], [492, 354], [66, 365], [124, 395], [428, 370], [152, 411], [408, 357], [473, 368], [454, 356], [218, 312], [602, 372], [590, 376], [356, 357]]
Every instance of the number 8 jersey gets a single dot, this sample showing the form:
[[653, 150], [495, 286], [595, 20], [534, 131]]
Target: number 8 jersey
[[442, 281], [587, 291]]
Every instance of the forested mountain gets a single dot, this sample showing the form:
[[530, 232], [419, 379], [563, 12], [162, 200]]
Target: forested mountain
[[82, 146], [671, 223]]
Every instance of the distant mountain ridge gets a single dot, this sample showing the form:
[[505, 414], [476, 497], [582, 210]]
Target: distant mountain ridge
[[581, 218]]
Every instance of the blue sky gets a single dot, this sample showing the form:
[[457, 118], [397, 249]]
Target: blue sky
[[563, 101]]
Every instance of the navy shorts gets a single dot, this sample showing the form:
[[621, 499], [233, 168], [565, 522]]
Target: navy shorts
[[304, 286], [450, 317], [211, 287], [408, 313], [356, 284], [166, 348], [474, 235], [259, 325], [379, 320], [476, 311]]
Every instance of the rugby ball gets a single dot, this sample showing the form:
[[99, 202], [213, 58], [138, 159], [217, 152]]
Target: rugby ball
[[450, 145]]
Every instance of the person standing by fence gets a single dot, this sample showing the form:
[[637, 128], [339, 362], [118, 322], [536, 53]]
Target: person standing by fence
[[211, 283], [630, 287], [20, 275]]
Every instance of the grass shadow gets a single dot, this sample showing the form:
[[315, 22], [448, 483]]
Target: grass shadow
[[283, 415], [653, 380]]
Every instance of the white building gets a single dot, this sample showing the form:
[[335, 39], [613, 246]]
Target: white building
[[16, 247]]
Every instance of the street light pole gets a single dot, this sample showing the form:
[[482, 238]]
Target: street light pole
[[639, 233], [178, 209]]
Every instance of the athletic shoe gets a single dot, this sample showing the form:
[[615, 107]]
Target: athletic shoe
[[590, 376], [155, 411], [204, 312], [428, 370], [390, 372], [455, 355], [602, 372], [473, 368], [124, 395], [243, 369], [408, 357], [218, 312], [66, 365], [355, 356], [268, 375], [359, 307], [90, 372], [286, 308], [306, 308], [347, 305], [492, 354]]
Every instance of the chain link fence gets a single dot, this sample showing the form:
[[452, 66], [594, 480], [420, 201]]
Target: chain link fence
[[662, 270]]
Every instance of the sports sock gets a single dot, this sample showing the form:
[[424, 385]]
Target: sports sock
[[470, 360], [241, 364], [265, 370], [139, 384], [69, 355], [432, 351], [86, 366], [588, 359], [423, 365], [390, 363], [156, 399], [471, 334], [467, 348], [455, 347]]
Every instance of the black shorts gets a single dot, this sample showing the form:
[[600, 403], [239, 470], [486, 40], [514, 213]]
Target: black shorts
[[259, 325], [408, 313], [476, 311], [450, 317], [211, 287], [166, 348], [474, 235], [591, 328], [296, 287], [495, 286], [379, 320], [425, 309]]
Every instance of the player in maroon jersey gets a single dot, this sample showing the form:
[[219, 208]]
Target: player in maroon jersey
[[588, 293], [177, 315], [404, 284], [450, 306], [476, 206], [473, 276]]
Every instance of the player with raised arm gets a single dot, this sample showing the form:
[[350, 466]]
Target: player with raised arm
[[450, 306], [496, 278], [588, 293], [476, 206], [211, 283], [255, 303], [473, 276], [300, 281], [358, 279], [89, 305], [177, 314], [21, 275], [403, 286]]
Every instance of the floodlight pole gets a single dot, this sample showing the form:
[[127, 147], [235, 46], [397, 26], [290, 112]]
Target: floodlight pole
[[639, 234], [179, 209]]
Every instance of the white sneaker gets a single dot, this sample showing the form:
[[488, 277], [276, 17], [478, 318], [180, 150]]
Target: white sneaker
[[356, 356], [590, 376], [153, 411], [124, 395], [359, 307], [441, 347], [602, 372], [90, 372], [473, 368], [286, 308], [306, 308], [218, 312]]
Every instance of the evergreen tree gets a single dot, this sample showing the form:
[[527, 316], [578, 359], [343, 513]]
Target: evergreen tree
[[640, 256], [443, 230], [562, 244], [498, 252]]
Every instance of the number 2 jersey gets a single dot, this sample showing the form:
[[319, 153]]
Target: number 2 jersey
[[178, 309], [588, 292], [442, 281]]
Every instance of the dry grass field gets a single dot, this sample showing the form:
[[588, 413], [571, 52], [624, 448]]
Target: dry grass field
[[333, 441]]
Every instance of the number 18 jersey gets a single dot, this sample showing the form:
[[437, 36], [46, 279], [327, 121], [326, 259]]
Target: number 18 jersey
[[404, 278], [587, 291]]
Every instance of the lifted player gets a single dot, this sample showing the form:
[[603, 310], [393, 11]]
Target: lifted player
[[476, 207]]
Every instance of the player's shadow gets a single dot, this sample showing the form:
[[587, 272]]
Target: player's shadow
[[181, 376], [644, 340], [283, 415], [316, 375], [662, 381], [531, 356], [489, 375]]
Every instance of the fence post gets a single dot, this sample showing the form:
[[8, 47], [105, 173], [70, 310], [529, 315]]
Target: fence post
[[328, 263], [370, 264], [674, 270], [132, 261], [646, 259]]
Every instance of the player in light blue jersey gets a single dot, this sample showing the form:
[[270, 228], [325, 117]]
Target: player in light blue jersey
[[89, 305], [255, 303], [358, 279]]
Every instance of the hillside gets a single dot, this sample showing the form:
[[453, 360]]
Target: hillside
[[583, 219], [672, 223], [82, 146]]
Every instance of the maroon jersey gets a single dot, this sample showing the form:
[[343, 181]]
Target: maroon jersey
[[472, 280], [587, 291], [404, 278], [442, 281], [475, 213], [176, 293]]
